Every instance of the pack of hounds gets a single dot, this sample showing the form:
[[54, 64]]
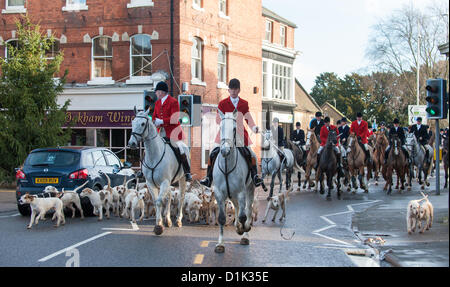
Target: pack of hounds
[[122, 201]]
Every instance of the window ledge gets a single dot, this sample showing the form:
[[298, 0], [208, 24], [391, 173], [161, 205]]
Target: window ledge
[[224, 16], [198, 8], [139, 80], [197, 82], [101, 81], [141, 3], [222, 85], [15, 10], [75, 8]]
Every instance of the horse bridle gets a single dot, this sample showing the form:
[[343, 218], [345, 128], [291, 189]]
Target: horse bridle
[[135, 134], [226, 172]]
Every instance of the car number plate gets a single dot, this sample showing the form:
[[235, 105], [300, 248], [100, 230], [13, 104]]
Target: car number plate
[[46, 180]]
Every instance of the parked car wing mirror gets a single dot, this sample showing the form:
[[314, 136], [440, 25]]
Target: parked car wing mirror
[[116, 168]]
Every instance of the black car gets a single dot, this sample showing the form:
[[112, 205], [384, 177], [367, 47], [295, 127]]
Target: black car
[[68, 168]]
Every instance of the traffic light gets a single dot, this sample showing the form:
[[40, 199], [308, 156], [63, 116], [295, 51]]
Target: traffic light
[[186, 105], [436, 99], [149, 102]]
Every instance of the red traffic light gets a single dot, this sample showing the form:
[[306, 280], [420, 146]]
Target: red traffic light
[[431, 89]]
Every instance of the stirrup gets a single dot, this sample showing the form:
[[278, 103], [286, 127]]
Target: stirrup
[[188, 177], [206, 182], [257, 181]]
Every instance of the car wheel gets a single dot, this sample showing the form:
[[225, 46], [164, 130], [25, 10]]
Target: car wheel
[[24, 209]]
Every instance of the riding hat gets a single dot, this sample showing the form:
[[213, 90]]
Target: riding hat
[[234, 84], [297, 124], [359, 115], [396, 121], [419, 119], [161, 86], [344, 119], [318, 114], [326, 120]]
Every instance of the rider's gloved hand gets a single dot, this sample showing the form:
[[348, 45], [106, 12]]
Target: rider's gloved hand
[[158, 122]]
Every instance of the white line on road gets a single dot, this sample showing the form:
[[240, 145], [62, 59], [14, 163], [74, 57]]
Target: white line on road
[[5, 216], [134, 227], [73, 246]]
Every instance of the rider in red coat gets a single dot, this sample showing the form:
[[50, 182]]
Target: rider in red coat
[[324, 131], [361, 129], [228, 105], [166, 119]]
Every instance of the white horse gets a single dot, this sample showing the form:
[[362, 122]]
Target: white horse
[[418, 159], [160, 167], [232, 180], [271, 163]]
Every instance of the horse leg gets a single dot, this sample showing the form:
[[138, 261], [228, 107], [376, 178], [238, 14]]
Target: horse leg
[[239, 209], [220, 248], [272, 184], [329, 184], [163, 190], [182, 186], [280, 179], [299, 177], [249, 197]]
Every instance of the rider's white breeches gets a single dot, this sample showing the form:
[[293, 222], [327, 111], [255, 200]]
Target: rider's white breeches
[[183, 147], [366, 146]]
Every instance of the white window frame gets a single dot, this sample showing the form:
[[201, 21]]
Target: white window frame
[[140, 3], [139, 79], [14, 9], [268, 31], [266, 75], [222, 82], [100, 80], [283, 36], [281, 82], [223, 14], [198, 5], [54, 40], [197, 79], [6, 47], [74, 7]]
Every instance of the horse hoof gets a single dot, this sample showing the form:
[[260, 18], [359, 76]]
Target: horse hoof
[[239, 231], [178, 223], [428, 184], [366, 191], [422, 188], [245, 241], [219, 249], [328, 198], [158, 229]]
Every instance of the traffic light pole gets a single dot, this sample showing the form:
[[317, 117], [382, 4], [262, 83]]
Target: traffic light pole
[[437, 171]]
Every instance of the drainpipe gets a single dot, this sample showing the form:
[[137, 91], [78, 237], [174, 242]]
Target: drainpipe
[[171, 47]]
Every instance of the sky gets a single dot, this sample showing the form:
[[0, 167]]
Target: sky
[[333, 35]]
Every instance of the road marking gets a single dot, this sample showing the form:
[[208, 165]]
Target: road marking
[[199, 258], [333, 224], [134, 227], [204, 243], [5, 216], [73, 246]]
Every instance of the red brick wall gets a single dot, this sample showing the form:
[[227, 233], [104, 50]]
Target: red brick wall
[[241, 33]]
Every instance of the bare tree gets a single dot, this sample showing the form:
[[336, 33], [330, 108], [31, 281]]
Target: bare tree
[[393, 45]]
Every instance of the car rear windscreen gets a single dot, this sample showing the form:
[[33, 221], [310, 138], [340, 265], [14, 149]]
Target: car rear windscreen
[[52, 158]]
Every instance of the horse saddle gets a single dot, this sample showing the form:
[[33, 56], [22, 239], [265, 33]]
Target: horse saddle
[[175, 149]]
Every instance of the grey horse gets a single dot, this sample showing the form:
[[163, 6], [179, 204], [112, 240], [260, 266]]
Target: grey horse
[[160, 167], [232, 180], [417, 155], [272, 165]]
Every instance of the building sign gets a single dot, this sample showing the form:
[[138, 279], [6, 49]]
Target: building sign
[[283, 117], [415, 111], [99, 119]]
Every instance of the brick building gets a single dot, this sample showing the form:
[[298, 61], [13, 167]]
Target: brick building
[[117, 50], [278, 98]]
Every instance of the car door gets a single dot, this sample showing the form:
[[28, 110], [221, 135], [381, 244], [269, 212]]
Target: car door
[[100, 164], [114, 166]]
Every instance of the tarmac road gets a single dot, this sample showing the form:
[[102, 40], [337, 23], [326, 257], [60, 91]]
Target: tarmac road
[[323, 234]]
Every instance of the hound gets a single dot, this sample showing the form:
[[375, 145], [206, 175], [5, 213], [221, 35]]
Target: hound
[[40, 206]]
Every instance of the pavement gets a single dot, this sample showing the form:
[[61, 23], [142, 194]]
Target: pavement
[[7, 200]]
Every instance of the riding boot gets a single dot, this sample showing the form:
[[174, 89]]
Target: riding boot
[[386, 153], [339, 164], [368, 158], [257, 181], [209, 172], [186, 167], [318, 161]]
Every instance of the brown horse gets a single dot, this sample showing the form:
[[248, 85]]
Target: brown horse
[[299, 156], [381, 144], [396, 161], [356, 163], [312, 146]]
